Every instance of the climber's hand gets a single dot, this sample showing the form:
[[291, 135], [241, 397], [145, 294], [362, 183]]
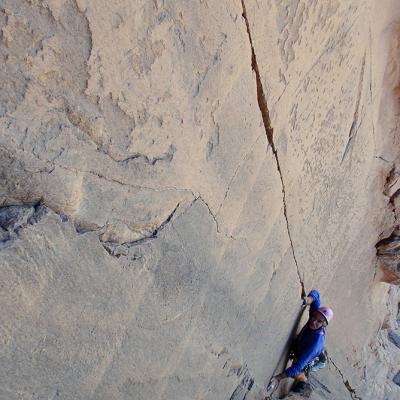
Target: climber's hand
[[280, 376], [274, 382], [272, 385], [307, 300]]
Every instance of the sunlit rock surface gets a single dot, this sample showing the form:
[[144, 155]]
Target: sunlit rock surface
[[175, 173]]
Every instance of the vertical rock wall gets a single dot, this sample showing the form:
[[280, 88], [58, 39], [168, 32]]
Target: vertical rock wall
[[175, 174]]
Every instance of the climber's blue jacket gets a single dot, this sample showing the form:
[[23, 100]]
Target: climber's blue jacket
[[309, 344]]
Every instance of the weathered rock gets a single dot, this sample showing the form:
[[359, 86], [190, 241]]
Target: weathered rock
[[394, 337], [14, 217], [396, 379], [173, 175], [388, 251]]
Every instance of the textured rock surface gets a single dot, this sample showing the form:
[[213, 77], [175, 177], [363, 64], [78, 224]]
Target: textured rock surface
[[174, 174]]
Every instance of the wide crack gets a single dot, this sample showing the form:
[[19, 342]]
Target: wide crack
[[262, 104]]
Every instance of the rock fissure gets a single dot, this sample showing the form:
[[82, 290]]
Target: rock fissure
[[117, 181], [388, 247], [122, 183], [381, 158], [15, 218], [165, 222], [355, 125], [215, 58], [214, 139], [235, 173], [83, 123], [114, 249], [167, 157], [262, 103], [97, 174], [199, 197], [235, 367], [346, 383], [315, 382]]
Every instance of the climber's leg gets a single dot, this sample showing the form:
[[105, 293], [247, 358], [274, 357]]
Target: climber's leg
[[319, 362]]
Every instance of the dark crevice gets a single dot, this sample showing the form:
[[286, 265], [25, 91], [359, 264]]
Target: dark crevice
[[15, 218], [117, 249], [262, 104], [166, 222], [346, 383], [381, 245], [246, 385], [381, 158], [391, 181], [167, 156], [355, 125], [388, 247], [111, 247]]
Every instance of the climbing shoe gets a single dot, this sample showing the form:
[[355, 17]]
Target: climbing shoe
[[302, 388], [317, 365]]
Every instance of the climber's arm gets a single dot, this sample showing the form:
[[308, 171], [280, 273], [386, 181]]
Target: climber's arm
[[306, 356], [314, 301]]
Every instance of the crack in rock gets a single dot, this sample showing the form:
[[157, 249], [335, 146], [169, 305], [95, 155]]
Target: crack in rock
[[354, 125], [167, 156], [198, 197], [262, 103], [247, 383], [116, 249], [14, 219], [215, 58], [388, 248], [346, 383], [242, 161], [166, 221], [87, 124], [213, 142], [316, 383], [93, 173]]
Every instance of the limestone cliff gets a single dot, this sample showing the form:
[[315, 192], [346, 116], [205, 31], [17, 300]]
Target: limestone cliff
[[175, 174]]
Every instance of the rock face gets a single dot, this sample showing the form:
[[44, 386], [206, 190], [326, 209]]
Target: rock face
[[175, 175]]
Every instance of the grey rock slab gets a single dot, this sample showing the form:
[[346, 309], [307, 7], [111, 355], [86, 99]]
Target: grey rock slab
[[396, 379], [13, 217], [394, 337]]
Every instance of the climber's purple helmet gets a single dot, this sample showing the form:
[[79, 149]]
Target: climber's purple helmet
[[327, 313]]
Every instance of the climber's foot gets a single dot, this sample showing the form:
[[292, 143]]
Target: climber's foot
[[303, 388]]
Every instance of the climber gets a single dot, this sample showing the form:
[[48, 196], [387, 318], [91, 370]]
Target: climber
[[308, 348]]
